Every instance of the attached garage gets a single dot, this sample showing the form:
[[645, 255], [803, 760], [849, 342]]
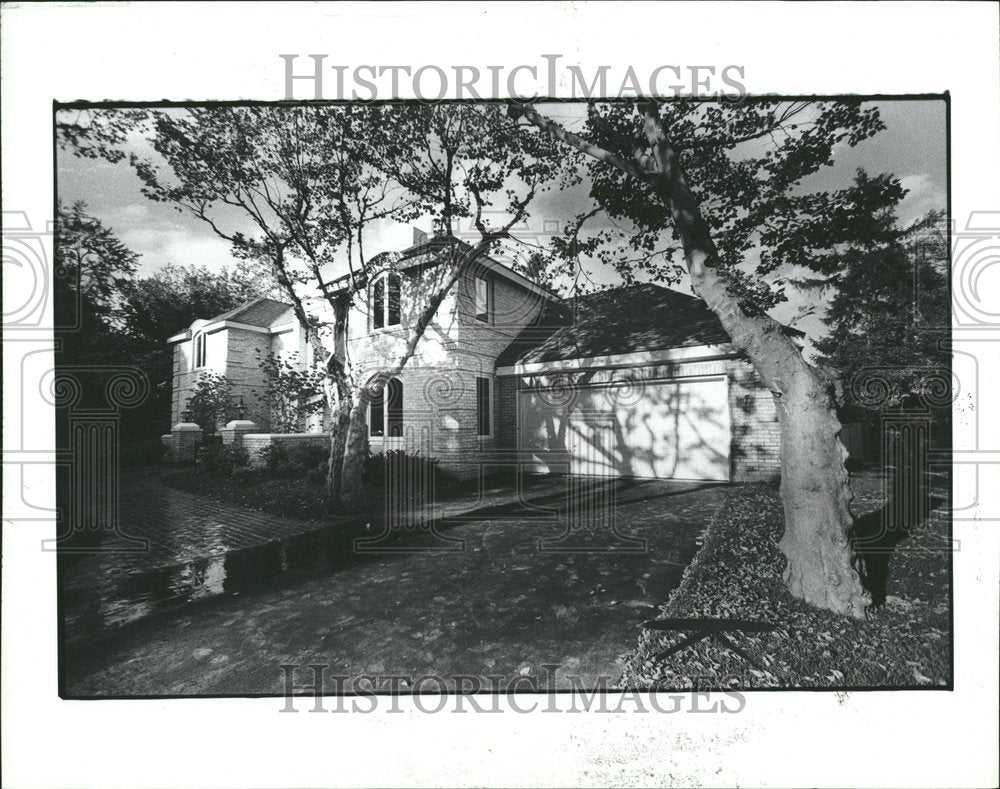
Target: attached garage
[[664, 429], [639, 381]]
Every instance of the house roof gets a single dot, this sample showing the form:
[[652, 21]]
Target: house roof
[[420, 254], [262, 312], [628, 319]]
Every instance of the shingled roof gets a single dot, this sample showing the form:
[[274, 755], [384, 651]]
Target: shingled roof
[[263, 312], [629, 319]]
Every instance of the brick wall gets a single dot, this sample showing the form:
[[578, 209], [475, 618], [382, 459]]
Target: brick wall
[[756, 447], [245, 350], [255, 442], [181, 445], [182, 380], [185, 375], [237, 353], [505, 392], [439, 382]]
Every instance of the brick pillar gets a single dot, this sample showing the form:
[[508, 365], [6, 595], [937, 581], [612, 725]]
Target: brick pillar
[[184, 439], [234, 431]]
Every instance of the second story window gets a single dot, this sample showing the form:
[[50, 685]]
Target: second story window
[[199, 350], [484, 299], [385, 295]]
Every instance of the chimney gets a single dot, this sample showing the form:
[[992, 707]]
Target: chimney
[[419, 236]]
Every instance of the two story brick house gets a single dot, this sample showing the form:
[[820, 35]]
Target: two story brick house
[[637, 381]]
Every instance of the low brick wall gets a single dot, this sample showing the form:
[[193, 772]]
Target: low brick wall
[[256, 442]]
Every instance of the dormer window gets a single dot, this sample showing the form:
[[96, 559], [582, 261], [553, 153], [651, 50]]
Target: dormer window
[[385, 294], [199, 350], [484, 300]]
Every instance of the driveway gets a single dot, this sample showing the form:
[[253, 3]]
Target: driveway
[[562, 576]]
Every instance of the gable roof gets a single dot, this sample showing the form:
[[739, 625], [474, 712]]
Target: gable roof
[[629, 319], [262, 312], [426, 254]]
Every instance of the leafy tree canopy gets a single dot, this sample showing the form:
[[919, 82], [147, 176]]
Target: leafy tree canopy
[[747, 164], [890, 308]]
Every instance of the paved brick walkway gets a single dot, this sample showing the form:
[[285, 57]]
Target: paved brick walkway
[[113, 582]]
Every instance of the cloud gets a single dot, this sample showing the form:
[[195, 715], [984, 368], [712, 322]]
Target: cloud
[[178, 246], [135, 210], [922, 195], [919, 182]]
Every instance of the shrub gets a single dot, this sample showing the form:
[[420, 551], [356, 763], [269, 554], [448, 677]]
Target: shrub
[[296, 460], [220, 459], [291, 394], [317, 474], [399, 465], [240, 455], [271, 457], [211, 401], [245, 473], [306, 455]]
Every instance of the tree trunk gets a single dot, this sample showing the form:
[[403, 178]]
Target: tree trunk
[[816, 497], [340, 417], [353, 493], [814, 483], [814, 490], [817, 538], [338, 370]]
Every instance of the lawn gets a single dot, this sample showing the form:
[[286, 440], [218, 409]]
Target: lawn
[[737, 574]]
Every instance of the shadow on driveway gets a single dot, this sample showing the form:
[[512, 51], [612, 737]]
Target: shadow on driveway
[[562, 575]]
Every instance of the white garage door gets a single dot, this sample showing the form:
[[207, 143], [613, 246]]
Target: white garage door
[[664, 429]]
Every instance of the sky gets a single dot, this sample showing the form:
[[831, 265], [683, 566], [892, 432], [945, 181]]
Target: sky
[[912, 147]]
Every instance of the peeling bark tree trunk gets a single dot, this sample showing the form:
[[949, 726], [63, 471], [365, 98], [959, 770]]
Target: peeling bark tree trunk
[[355, 452], [340, 419], [342, 399], [814, 490], [816, 499]]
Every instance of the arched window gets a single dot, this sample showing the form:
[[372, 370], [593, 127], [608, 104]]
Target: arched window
[[199, 350], [385, 412], [385, 295]]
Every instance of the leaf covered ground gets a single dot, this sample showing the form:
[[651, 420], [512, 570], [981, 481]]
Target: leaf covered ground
[[738, 574]]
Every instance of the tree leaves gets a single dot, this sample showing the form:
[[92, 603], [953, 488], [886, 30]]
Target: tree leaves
[[745, 163], [211, 403], [891, 292], [292, 393], [92, 262]]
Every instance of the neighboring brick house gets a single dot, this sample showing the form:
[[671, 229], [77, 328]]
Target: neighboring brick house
[[636, 381]]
